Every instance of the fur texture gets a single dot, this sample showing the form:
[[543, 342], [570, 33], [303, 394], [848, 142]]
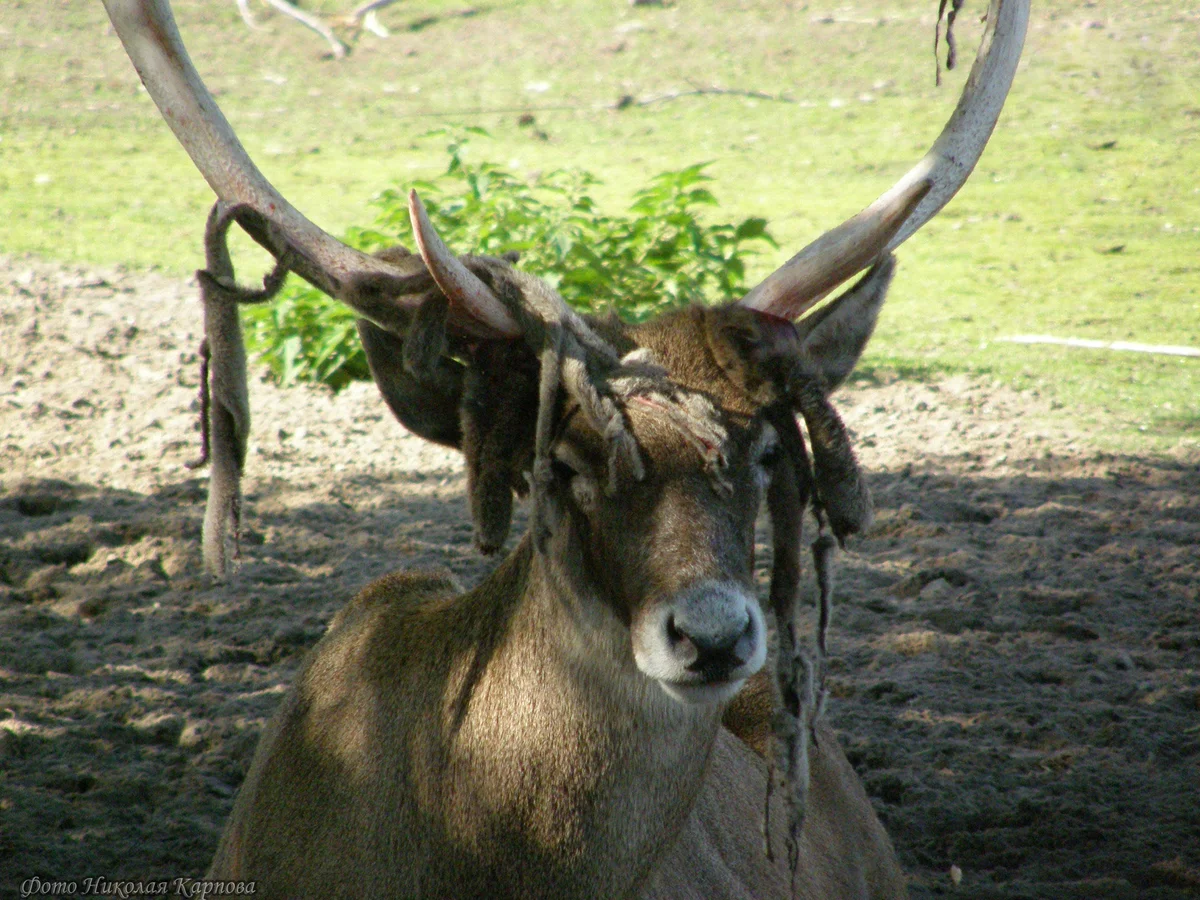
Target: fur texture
[[504, 742]]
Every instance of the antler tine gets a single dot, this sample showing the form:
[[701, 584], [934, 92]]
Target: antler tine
[[148, 31], [921, 193], [460, 285]]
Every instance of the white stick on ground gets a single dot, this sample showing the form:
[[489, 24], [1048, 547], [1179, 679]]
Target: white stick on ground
[[247, 16], [336, 46], [1162, 349]]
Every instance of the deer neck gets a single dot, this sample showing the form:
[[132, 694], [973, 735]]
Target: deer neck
[[570, 623], [593, 766]]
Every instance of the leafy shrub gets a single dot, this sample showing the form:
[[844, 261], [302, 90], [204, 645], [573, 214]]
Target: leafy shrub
[[659, 254]]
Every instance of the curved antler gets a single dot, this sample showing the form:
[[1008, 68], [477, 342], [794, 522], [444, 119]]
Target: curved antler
[[460, 285], [921, 193], [367, 284]]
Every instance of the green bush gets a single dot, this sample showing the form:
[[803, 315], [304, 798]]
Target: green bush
[[658, 255]]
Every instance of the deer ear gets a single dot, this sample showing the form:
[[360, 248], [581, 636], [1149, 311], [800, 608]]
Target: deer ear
[[426, 400], [833, 338]]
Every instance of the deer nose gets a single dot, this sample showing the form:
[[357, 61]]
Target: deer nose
[[702, 643], [711, 656]]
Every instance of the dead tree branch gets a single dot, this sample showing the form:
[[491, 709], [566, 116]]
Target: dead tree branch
[[247, 16], [364, 17], [337, 47], [696, 91]]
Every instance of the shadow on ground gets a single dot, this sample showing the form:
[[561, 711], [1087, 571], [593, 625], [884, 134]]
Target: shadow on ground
[[1016, 669]]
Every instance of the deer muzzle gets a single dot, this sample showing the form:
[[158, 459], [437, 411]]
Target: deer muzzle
[[703, 643]]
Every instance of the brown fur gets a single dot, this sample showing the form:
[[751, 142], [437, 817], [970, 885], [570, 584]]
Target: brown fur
[[502, 743], [748, 715], [844, 852], [443, 745], [498, 411]]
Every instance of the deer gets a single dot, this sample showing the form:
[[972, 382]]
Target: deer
[[612, 711]]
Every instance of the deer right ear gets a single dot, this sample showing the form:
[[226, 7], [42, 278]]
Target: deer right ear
[[425, 399], [833, 339]]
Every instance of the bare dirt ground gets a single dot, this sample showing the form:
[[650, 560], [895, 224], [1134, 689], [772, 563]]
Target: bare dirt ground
[[1017, 640]]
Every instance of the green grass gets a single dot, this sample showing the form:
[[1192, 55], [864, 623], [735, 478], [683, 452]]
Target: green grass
[[1098, 149]]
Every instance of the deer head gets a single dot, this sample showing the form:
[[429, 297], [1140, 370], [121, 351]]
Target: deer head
[[655, 443]]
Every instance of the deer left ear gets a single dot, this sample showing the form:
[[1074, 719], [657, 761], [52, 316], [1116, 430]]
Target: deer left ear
[[425, 402], [833, 339]]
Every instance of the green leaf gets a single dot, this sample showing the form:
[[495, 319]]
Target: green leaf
[[291, 353], [751, 228]]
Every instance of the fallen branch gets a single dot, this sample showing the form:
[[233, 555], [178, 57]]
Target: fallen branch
[[375, 5], [372, 24], [365, 17], [1127, 346], [248, 17], [627, 101], [372, 6], [337, 47]]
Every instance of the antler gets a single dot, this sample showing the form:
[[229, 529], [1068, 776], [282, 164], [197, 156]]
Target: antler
[[921, 193], [458, 283], [370, 286]]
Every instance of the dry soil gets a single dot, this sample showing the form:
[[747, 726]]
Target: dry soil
[[1016, 643]]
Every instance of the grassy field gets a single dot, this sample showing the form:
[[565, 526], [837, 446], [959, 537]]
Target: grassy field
[[1082, 219]]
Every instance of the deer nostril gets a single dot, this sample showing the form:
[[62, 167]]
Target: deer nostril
[[713, 657], [683, 647], [745, 645], [717, 659]]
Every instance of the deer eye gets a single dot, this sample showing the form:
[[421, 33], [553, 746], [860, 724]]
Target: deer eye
[[769, 455], [562, 470]]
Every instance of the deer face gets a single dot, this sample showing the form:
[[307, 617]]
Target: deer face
[[649, 469], [673, 551]]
